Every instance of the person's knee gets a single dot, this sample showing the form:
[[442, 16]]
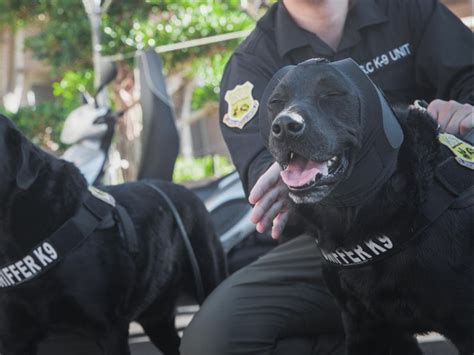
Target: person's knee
[[208, 333]]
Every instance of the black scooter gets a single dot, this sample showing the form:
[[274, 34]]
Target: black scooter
[[90, 128]]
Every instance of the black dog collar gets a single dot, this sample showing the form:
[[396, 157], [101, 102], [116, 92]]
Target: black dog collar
[[453, 184], [96, 207], [382, 135]]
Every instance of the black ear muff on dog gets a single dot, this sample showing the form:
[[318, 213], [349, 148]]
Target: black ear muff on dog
[[263, 117], [381, 139]]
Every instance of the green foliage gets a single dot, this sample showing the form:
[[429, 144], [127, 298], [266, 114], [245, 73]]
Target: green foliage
[[63, 41], [172, 22], [196, 169], [71, 85], [41, 123], [209, 71]]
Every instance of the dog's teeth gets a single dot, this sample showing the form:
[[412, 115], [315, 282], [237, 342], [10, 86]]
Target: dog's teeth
[[291, 155], [332, 161]]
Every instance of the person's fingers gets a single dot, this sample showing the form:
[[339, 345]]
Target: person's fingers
[[442, 111], [265, 182], [467, 122], [266, 221], [454, 124], [279, 224], [434, 107], [265, 202]]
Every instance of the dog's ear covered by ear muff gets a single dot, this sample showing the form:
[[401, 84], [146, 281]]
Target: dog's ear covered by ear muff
[[264, 116], [27, 159]]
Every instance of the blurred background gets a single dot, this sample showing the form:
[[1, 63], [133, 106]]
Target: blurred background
[[47, 57]]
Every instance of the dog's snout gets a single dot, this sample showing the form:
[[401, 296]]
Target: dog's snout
[[288, 126]]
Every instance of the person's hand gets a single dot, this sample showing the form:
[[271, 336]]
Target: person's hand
[[453, 117], [270, 199]]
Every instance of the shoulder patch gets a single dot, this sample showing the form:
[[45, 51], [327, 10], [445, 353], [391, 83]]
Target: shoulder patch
[[463, 151], [242, 107]]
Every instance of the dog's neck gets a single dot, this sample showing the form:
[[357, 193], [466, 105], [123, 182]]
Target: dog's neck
[[36, 213], [392, 209]]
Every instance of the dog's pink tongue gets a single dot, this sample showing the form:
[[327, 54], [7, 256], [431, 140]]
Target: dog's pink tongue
[[301, 171]]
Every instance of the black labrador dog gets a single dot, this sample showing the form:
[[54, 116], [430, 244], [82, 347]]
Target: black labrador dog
[[390, 207], [101, 284]]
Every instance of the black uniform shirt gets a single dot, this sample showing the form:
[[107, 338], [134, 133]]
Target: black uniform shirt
[[412, 49]]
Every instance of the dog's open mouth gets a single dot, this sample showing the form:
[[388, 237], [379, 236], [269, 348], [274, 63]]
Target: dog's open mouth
[[300, 173]]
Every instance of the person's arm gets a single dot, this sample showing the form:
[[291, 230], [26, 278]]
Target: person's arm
[[243, 139], [259, 174], [444, 52]]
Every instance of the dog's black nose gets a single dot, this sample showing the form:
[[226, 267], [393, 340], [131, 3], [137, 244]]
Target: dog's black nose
[[287, 126]]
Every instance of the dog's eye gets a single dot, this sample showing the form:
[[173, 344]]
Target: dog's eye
[[332, 94], [275, 101], [276, 104]]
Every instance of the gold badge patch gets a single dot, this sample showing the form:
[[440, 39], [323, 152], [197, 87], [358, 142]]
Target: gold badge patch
[[463, 151], [242, 106]]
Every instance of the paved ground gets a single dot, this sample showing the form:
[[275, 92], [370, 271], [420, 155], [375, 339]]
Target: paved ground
[[432, 344], [436, 346], [143, 347]]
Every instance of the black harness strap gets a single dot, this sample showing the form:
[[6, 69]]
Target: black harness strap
[[187, 244], [54, 248], [127, 229], [453, 182]]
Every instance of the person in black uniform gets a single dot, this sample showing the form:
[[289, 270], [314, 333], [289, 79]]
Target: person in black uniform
[[412, 49]]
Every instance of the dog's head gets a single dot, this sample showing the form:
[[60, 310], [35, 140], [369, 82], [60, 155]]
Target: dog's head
[[21, 162], [319, 124]]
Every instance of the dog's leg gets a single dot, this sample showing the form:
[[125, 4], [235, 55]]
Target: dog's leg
[[383, 344], [404, 344], [368, 337], [115, 341], [25, 351], [162, 334], [22, 348], [465, 345]]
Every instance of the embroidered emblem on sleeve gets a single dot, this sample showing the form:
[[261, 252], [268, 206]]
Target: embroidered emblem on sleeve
[[463, 151], [242, 107]]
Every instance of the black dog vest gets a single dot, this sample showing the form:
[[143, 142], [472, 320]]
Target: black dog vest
[[453, 186], [375, 164], [97, 207]]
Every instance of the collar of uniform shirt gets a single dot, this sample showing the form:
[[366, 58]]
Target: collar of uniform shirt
[[290, 36]]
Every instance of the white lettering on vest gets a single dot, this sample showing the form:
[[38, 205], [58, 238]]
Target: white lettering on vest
[[28, 267], [385, 59]]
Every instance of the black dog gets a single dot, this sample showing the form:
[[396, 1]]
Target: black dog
[[102, 284], [399, 253]]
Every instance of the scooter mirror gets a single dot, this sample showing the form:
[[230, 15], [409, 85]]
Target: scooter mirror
[[86, 98], [108, 72]]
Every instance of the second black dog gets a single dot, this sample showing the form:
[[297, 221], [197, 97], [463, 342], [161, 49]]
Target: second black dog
[[394, 221], [101, 284]]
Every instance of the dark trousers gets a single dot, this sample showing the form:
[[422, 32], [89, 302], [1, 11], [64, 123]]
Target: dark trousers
[[277, 305]]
